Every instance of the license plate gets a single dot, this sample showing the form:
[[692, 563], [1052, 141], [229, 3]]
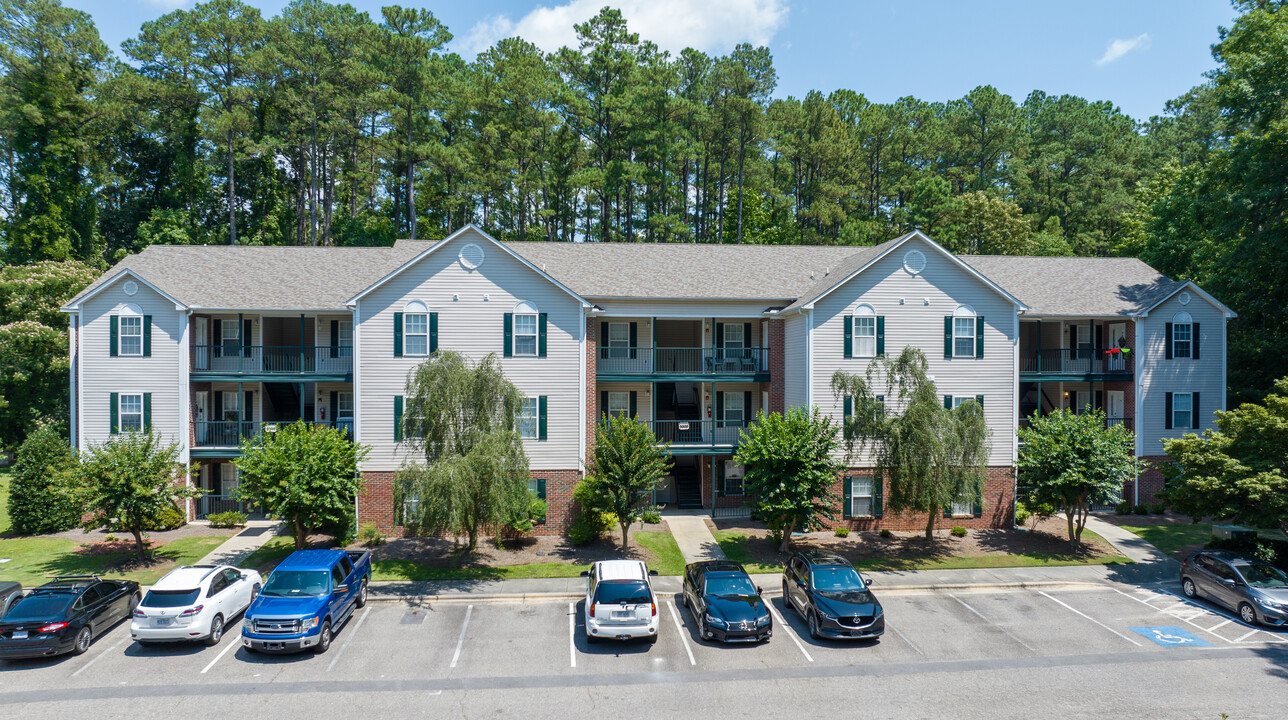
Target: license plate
[[623, 614], [19, 634], [164, 622]]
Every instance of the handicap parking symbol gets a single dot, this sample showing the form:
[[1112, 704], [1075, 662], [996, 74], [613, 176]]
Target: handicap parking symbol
[[1170, 636]]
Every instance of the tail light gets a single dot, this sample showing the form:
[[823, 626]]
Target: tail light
[[654, 606], [51, 628], [191, 611], [138, 613], [592, 610]]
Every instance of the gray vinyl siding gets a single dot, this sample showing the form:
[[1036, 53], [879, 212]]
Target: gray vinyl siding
[[472, 325], [1158, 376], [909, 320], [794, 361], [103, 375], [643, 398]]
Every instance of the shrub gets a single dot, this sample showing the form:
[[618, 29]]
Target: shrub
[[1158, 508], [528, 517], [229, 519], [842, 532], [887, 534], [170, 518], [370, 535], [1274, 552], [588, 524], [1122, 508], [959, 531], [651, 517], [1022, 514], [110, 538], [42, 492], [1140, 510]]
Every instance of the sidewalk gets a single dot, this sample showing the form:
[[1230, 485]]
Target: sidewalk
[[239, 547], [693, 536]]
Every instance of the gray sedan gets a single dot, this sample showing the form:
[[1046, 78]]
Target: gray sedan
[[1256, 589]]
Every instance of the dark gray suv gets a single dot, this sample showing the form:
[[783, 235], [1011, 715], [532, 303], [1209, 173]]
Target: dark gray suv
[[1256, 589]]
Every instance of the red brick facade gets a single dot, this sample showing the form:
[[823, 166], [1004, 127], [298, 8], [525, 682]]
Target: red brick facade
[[1151, 480], [376, 501], [777, 372], [998, 505]]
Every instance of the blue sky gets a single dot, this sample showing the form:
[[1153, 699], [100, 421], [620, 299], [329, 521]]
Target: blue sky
[[1135, 53]]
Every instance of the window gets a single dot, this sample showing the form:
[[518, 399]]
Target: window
[[527, 420], [733, 479], [131, 335], [416, 334], [964, 505], [1182, 336], [337, 577], [959, 399], [345, 331], [963, 337], [865, 336], [230, 406], [733, 337], [231, 337], [1182, 410], [619, 339], [861, 497], [131, 417], [619, 404], [217, 585], [344, 405], [525, 335], [734, 412]]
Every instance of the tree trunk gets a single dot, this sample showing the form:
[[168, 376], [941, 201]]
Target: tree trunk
[[138, 543], [742, 154], [787, 537], [1068, 516], [300, 537], [232, 195], [930, 525], [626, 528]]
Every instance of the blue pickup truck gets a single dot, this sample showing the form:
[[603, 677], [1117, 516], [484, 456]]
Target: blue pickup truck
[[308, 596]]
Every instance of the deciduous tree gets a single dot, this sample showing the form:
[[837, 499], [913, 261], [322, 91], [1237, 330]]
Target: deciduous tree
[[625, 468]]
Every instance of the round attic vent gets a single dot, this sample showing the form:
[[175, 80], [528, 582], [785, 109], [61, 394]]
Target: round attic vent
[[130, 287], [471, 256], [1184, 298], [914, 261]]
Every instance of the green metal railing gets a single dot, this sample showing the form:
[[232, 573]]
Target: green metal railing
[[230, 433], [711, 433], [682, 361], [283, 359], [1084, 360]]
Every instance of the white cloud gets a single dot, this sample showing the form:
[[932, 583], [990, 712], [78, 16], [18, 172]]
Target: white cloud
[[1118, 47], [167, 4], [707, 25]]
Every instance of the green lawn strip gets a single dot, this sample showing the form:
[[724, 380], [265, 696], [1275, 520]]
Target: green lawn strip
[[1170, 538], [667, 558], [33, 561], [268, 555], [4, 500], [734, 545]]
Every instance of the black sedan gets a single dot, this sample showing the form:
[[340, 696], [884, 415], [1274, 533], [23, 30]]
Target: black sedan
[[833, 598], [65, 616], [726, 604]]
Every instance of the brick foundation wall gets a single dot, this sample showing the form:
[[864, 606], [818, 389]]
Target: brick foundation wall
[[999, 494], [376, 501], [1151, 479], [777, 374]]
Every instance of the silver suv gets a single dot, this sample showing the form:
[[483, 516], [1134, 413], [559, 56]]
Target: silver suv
[[1256, 589]]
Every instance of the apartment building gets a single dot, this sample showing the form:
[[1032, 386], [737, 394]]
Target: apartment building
[[209, 345]]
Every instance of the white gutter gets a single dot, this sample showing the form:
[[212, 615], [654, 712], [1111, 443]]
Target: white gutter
[[185, 392]]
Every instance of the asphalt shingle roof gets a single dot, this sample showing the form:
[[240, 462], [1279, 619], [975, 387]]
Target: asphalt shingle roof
[[1078, 287]]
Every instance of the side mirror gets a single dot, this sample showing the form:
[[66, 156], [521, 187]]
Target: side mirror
[[244, 576], [653, 573], [759, 591], [1229, 581], [585, 573], [341, 589], [866, 580]]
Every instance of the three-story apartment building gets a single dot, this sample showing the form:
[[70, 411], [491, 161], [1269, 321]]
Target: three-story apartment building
[[210, 345]]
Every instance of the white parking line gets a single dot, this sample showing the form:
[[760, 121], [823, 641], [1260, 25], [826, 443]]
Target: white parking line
[[679, 629], [1124, 637], [222, 653], [990, 622], [905, 639], [1227, 621], [572, 634], [788, 629], [1247, 635], [95, 659], [1156, 609], [469, 610], [348, 635]]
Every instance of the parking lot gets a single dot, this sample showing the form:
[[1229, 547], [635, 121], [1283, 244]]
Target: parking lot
[[461, 652]]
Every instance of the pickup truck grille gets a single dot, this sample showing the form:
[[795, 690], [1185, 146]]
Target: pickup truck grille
[[271, 626]]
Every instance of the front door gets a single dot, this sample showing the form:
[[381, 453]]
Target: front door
[[201, 399], [201, 341], [1114, 406], [1117, 362]]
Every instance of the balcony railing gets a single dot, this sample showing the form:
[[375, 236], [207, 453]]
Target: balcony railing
[[682, 361], [1081, 361], [272, 359], [212, 504], [1126, 422], [708, 433], [229, 433]]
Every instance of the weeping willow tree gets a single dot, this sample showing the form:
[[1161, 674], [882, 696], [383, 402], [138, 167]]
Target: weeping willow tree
[[464, 419], [930, 455]]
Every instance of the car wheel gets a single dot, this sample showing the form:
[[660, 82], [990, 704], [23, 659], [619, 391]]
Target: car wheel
[[1247, 614], [324, 638], [362, 594], [216, 631], [591, 639], [135, 600], [813, 626], [83, 639], [1187, 587], [652, 639], [787, 599]]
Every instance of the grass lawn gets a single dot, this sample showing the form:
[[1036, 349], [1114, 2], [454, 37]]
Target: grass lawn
[[734, 545], [5, 474], [270, 553], [32, 561], [1170, 538]]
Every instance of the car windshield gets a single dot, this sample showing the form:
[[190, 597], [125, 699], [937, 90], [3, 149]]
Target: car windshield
[[836, 579], [170, 598], [730, 585], [39, 607], [294, 583], [1262, 575], [625, 592]]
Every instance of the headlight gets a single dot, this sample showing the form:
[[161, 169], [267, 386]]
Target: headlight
[[1271, 604], [833, 618], [762, 621], [309, 623], [880, 611], [712, 619]]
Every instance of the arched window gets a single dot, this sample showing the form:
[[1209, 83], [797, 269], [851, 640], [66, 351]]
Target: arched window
[[525, 328], [1182, 335], [129, 322], [865, 331], [415, 328], [964, 331]]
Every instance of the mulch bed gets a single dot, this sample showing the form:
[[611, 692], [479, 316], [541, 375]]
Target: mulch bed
[[157, 537]]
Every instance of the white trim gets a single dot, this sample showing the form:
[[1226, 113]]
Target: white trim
[[1224, 364], [425, 253], [581, 391], [809, 358], [415, 307], [899, 242], [73, 323], [185, 420], [357, 373], [1139, 409], [1191, 286], [1015, 397], [76, 302]]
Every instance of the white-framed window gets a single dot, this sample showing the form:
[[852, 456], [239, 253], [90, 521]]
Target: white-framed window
[[964, 332], [131, 335], [619, 339], [735, 413], [416, 334], [619, 404], [525, 334], [865, 332], [964, 505], [130, 411], [861, 497], [733, 336], [344, 405], [229, 409], [959, 399], [527, 421], [230, 336], [1182, 336], [345, 331], [733, 479], [1182, 410]]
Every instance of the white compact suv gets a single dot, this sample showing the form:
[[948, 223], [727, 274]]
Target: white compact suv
[[194, 603], [620, 603]]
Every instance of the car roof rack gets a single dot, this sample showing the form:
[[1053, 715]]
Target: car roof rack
[[77, 577]]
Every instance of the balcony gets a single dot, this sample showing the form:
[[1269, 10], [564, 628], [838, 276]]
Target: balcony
[[321, 362], [1126, 422], [229, 433], [689, 437], [703, 364], [1082, 363]]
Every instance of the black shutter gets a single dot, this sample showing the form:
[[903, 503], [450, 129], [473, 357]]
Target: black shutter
[[720, 409], [880, 335], [1194, 340], [720, 335], [508, 340], [1100, 400], [147, 412], [603, 339], [603, 403], [980, 399], [847, 409], [248, 408], [845, 497], [433, 332], [746, 339], [541, 417], [1100, 338], [849, 336], [115, 426], [147, 336], [541, 489], [217, 337], [1167, 411], [719, 482], [114, 336], [948, 402], [398, 413], [335, 407], [746, 408], [1195, 423], [335, 338], [948, 336], [632, 411], [398, 334], [541, 334], [1073, 342], [634, 341], [217, 412], [979, 336], [1168, 343], [878, 497], [979, 505], [246, 338]]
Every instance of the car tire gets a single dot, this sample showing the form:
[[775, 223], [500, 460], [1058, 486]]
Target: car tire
[[216, 631], [1188, 587], [135, 600], [591, 639], [652, 639], [813, 626], [324, 638], [787, 599], [362, 594], [83, 638], [1247, 614]]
